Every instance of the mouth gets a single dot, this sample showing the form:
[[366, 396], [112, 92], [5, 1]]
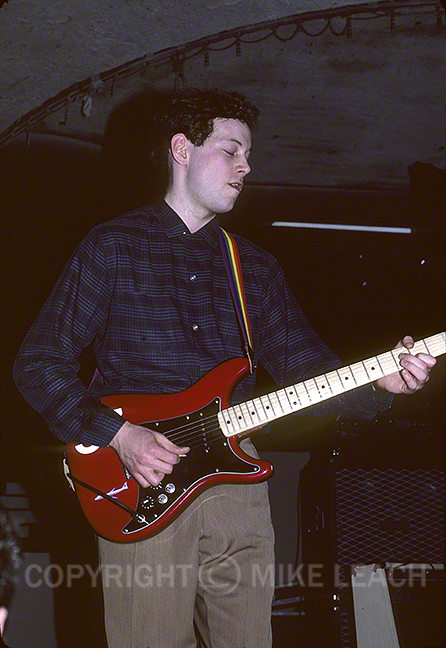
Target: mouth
[[238, 186]]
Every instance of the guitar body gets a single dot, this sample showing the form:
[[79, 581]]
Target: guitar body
[[200, 417], [188, 418]]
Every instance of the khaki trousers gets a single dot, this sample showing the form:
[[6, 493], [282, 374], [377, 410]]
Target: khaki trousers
[[209, 574]]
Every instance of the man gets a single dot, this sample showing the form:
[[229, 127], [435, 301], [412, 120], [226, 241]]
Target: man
[[150, 288], [9, 566]]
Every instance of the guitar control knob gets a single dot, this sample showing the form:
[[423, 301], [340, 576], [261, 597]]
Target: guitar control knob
[[170, 488], [162, 498], [147, 503]]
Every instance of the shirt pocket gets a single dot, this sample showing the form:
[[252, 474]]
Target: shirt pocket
[[142, 325]]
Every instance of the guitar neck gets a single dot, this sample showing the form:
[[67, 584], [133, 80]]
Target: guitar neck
[[248, 416]]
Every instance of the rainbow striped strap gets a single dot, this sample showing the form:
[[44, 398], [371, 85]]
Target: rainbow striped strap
[[235, 279]]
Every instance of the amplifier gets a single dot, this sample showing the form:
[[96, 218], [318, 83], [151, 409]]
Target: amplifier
[[354, 513], [390, 439]]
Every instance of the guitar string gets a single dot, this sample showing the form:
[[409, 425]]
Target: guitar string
[[196, 433], [192, 433], [196, 429]]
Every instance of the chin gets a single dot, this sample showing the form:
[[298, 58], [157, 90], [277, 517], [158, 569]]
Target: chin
[[226, 207]]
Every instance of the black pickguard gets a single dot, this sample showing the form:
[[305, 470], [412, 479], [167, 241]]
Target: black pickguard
[[210, 454]]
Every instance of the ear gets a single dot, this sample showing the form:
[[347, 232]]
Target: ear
[[179, 148]]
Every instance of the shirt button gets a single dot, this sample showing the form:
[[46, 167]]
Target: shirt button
[[193, 277], [195, 327]]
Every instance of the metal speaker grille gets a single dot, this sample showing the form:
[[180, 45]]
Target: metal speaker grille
[[385, 516], [389, 515]]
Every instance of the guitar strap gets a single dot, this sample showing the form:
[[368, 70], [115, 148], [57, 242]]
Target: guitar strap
[[235, 279], [233, 267]]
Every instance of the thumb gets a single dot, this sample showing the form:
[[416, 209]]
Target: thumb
[[169, 445]]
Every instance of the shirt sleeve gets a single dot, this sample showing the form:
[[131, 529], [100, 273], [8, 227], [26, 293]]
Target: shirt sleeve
[[46, 367], [291, 351]]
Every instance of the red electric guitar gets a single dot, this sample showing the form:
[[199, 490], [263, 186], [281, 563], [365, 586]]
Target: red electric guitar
[[200, 417]]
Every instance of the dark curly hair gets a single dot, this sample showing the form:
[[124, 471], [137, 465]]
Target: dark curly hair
[[9, 558], [192, 112]]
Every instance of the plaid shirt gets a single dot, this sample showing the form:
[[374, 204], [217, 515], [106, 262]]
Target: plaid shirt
[[155, 301]]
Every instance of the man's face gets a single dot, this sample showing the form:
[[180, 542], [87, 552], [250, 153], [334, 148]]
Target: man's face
[[216, 169]]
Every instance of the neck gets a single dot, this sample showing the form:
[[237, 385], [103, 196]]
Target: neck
[[193, 220]]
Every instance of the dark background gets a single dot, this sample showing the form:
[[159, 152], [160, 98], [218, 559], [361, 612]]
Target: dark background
[[361, 291]]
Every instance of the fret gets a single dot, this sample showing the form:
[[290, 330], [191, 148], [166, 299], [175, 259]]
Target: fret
[[436, 344], [388, 362], [261, 410], [313, 390], [302, 394], [255, 405], [277, 405], [395, 353], [254, 416], [255, 413], [419, 347], [262, 415], [285, 402], [335, 383], [267, 406], [359, 374], [346, 377], [232, 421], [294, 398], [243, 416], [373, 368], [246, 412], [323, 387]]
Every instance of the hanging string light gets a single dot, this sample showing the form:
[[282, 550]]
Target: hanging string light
[[82, 93]]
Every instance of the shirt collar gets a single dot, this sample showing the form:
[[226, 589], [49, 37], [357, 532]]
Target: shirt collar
[[174, 226]]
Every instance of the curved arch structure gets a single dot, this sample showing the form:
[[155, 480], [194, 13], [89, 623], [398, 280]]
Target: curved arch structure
[[336, 95]]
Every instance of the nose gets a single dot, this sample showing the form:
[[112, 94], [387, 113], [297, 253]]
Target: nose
[[244, 166]]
